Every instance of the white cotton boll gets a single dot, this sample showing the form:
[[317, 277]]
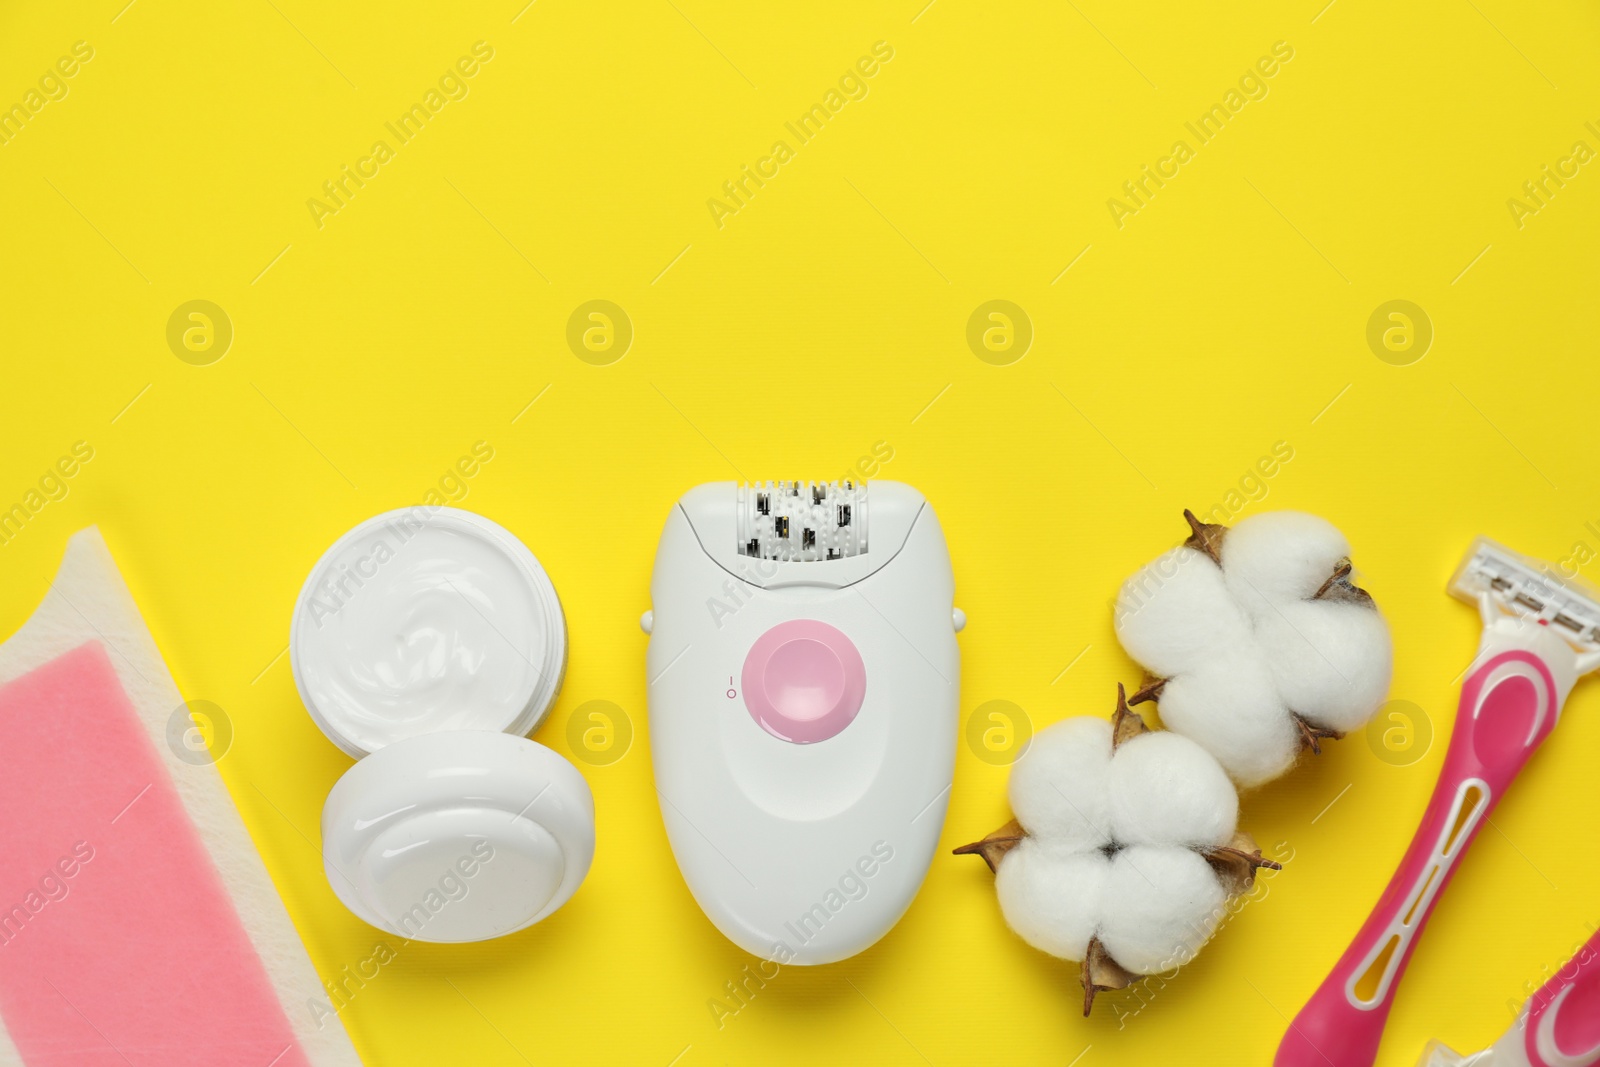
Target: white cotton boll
[[1280, 557], [1053, 896], [1172, 614], [1057, 788], [1167, 790], [1167, 904], [1231, 708], [1332, 661]]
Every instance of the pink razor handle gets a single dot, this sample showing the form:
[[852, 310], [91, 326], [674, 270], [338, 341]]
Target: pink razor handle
[[1560, 1026], [1509, 704]]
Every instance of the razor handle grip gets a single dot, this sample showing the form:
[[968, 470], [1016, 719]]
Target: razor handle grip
[[1561, 1025], [1509, 704]]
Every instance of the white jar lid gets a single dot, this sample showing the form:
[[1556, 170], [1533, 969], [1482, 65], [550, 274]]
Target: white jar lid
[[422, 620], [458, 837]]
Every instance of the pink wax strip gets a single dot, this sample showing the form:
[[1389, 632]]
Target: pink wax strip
[[118, 941], [138, 927]]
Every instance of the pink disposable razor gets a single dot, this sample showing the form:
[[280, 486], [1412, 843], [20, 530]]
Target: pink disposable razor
[[1541, 633], [1559, 1026]]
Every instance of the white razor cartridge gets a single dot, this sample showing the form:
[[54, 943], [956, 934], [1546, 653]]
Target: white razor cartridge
[[1515, 585]]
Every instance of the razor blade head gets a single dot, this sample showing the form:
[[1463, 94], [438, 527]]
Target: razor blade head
[[1438, 1054], [1531, 589]]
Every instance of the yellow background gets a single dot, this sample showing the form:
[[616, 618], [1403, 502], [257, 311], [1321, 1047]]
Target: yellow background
[[828, 314]]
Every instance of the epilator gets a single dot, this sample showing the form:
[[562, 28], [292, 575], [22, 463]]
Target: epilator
[[1541, 633], [803, 683]]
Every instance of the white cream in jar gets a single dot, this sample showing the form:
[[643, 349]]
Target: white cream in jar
[[426, 619]]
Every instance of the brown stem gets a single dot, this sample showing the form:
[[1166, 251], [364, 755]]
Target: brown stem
[[1236, 863], [1312, 736], [1340, 589], [1150, 690], [994, 847], [1126, 724], [1205, 536], [1100, 973]]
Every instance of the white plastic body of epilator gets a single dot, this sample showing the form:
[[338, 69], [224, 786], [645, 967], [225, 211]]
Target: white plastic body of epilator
[[803, 853]]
